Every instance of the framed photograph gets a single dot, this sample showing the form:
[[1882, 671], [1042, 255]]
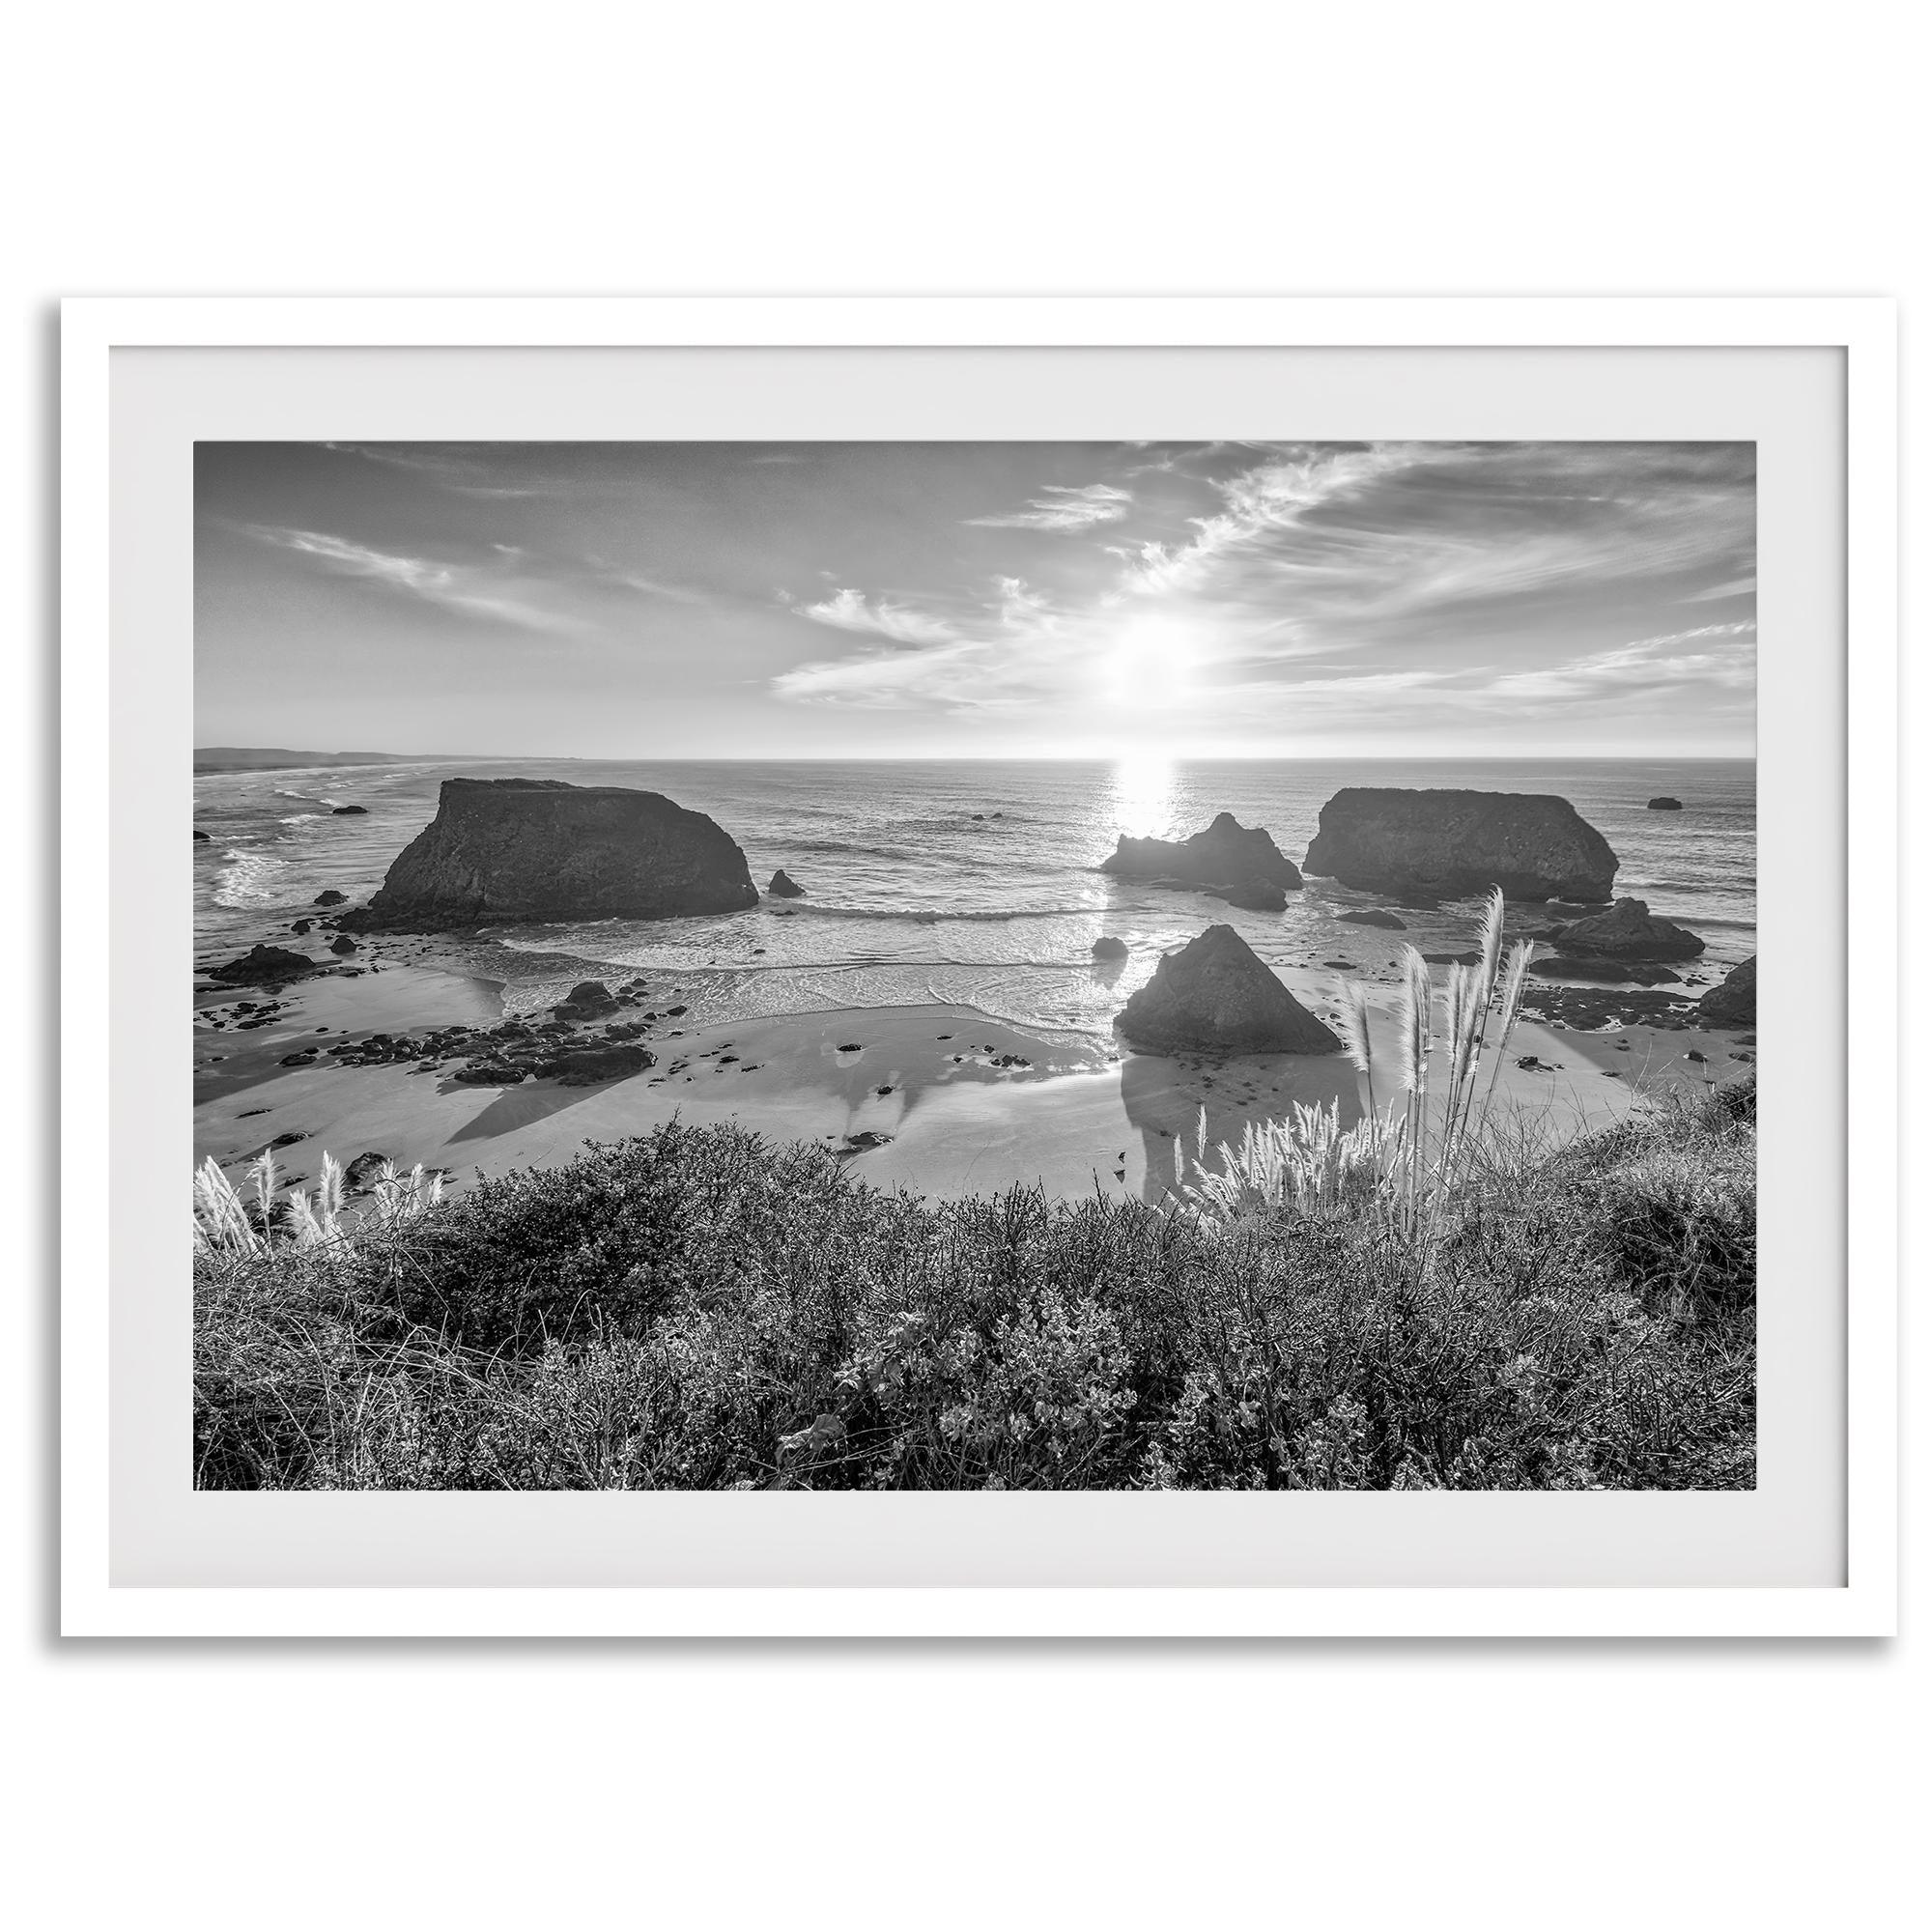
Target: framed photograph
[[981, 967]]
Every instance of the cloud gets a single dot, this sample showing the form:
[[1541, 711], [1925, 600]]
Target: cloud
[[851, 610], [471, 590], [1064, 507], [464, 474], [1737, 587]]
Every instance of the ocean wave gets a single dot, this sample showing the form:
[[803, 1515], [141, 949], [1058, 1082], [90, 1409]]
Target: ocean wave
[[252, 880], [918, 916]]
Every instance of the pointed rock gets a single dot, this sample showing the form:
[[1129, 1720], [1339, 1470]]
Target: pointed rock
[[782, 888], [1735, 1002], [1215, 996]]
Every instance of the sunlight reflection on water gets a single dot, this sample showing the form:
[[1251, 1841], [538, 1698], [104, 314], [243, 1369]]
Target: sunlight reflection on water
[[1144, 795]]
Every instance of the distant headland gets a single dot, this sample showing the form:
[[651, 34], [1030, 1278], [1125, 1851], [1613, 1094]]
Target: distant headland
[[276, 757]]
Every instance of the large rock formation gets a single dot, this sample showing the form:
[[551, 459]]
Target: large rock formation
[[1243, 862], [508, 849], [1734, 1003], [1448, 844], [1215, 996], [1627, 932]]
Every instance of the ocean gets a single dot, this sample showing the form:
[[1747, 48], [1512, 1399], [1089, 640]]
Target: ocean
[[968, 882]]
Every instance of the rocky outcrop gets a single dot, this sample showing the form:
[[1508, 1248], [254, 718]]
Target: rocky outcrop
[[1616, 972], [783, 887], [202, 837], [330, 898], [263, 963], [1627, 932], [588, 1000], [342, 943], [1215, 996], [351, 811], [1109, 948], [1374, 915], [1664, 804], [1229, 856], [1734, 1003], [502, 850], [1422, 844]]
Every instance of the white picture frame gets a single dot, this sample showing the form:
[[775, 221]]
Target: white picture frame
[[1864, 1603]]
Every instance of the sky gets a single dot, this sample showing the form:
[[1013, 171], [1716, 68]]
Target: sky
[[964, 600]]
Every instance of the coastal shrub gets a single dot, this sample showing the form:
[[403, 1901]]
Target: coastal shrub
[[701, 1308]]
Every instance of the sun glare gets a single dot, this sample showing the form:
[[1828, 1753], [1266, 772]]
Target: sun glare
[[1149, 666]]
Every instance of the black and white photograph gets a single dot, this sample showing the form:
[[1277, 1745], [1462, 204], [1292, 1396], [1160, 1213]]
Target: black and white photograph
[[870, 966]]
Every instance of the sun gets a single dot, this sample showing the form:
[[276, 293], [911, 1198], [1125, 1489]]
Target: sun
[[1148, 665]]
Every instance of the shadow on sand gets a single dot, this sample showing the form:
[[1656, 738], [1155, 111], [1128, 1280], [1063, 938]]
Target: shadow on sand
[[1164, 1099]]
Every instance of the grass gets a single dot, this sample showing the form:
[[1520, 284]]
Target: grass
[[701, 1308]]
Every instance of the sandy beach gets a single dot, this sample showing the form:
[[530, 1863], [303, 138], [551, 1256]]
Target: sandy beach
[[939, 1099]]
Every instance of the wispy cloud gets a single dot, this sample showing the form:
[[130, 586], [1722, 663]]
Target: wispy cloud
[[467, 475], [852, 610], [1064, 507], [474, 590]]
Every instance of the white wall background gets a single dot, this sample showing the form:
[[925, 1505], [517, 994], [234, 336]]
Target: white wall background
[[1684, 148]]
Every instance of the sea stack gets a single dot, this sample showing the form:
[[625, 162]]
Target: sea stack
[[1734, 1003], [511, 849], [1627, 932], [1215, 996], [1664, 804], [1450, 844], [1241, 862], [783, 887]]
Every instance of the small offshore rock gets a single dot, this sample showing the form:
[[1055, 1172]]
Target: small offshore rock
[[351, 811], [1664, 804], [785, 887], [330, 898], [1374, 915], [1107, 947]]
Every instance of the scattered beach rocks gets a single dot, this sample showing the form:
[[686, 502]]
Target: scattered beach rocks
[[303, 925], [852, 1046], [1109, 948], [1627, 932], [1734, 1002], [1633, 972], [363, 1172], [591, 1066], [783, 887], [1445, 844], [1011, 1060], [1589, 1009], [863, 1143], [1453, 958], [882, 1092], [263, 964], [1374, 915], [488, 1074], [1664, 804], [588, 1000], [1217, 996]]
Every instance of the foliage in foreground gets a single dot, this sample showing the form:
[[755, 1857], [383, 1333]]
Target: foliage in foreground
[[700, 1307]]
